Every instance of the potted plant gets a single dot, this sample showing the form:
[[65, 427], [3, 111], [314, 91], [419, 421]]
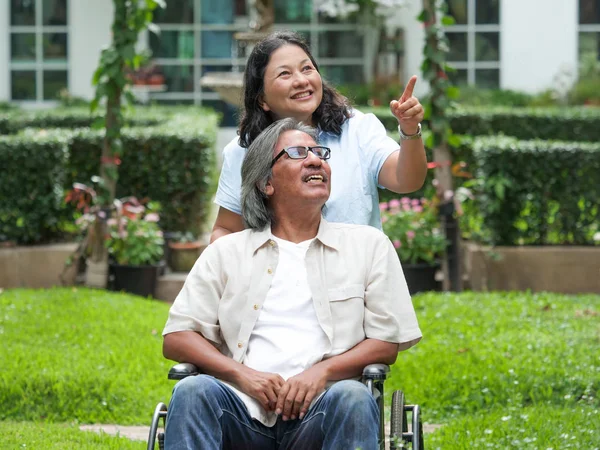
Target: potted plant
[[414, 229], [184, 250], [135, 246]]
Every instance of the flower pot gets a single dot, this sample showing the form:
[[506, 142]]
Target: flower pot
[[138, 280], [421, 277], [183, 255]]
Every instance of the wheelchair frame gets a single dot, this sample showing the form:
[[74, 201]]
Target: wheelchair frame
[[374, 376]]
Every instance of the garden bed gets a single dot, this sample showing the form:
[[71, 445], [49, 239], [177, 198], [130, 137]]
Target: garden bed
[[36, 266], [554, 268]]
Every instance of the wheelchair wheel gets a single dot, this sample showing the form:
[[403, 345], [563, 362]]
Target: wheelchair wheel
[[159, 413], [398, 423]]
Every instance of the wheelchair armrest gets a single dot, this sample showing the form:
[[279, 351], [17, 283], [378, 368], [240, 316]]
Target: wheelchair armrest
[[182, 370], [376, 372]]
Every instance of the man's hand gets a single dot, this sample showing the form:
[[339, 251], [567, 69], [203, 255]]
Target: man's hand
[[407, 108], [263, 386], [299, 391]]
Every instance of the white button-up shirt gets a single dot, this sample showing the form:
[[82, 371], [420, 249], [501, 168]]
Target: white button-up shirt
[[355, 277]]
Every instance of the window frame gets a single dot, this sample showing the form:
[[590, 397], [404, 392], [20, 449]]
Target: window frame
[[39, 66], [472, 28], [200, 94]]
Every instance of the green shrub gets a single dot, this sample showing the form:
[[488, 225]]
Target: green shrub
[[567, 124], [538, 192], [31, 187], [173, 163], [586, 91], [14, 121]]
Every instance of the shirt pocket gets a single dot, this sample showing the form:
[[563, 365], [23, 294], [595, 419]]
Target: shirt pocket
[[347, 305]]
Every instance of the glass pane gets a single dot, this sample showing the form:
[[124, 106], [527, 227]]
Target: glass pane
[[179, 78], [458, 46], [487, 11], [218, 44], [487, 47], [487, 78], [180, 11], [340, 44], [230, 114], [54, 82], [293, 11], [55, 47], [343, 74], [458, 10], [589, 53], [54, 12], [459, 77], [22, 47], [589, 11], [172, 44], [22, 12], [217, 11], [23, 85]]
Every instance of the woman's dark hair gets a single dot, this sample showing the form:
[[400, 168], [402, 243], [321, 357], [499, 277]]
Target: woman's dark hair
[[329, 115]]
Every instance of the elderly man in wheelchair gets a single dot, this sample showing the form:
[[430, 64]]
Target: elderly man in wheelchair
[[282, 319]]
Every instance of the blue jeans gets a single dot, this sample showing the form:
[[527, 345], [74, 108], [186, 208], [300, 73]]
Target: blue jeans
[[205, 414]]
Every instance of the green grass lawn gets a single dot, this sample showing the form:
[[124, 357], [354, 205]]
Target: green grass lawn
[[500, 370]]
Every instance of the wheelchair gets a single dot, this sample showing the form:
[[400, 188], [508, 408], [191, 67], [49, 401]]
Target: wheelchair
[[373, 377]]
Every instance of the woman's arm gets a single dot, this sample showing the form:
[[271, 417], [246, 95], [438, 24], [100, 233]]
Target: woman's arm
[[405, 171], [227, 222]]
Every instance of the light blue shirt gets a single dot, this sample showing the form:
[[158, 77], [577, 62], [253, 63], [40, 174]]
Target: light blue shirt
[[357, 156]]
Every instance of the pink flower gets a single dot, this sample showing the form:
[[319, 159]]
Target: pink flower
[[397, 243], [415, 202], [406, 206], [418, 209], [151, 217], [383, 206], [394, 203], [410, 234], [405, 200]]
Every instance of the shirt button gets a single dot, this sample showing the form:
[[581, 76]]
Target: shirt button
[[269, 271], [240, 345], [255, 306]]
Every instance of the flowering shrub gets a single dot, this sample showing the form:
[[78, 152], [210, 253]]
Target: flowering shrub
[[413, 227], [134, 236]]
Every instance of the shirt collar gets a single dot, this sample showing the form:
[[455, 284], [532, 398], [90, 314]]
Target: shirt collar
[[326, 235]]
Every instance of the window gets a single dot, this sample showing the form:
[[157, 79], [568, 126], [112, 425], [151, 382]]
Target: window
[[589, 35], [198, 37], [38, 49], [475, 42]]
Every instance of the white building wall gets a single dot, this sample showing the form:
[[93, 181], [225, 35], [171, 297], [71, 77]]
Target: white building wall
[[538, 43], [4, 51], [414, 38], [89, 32]]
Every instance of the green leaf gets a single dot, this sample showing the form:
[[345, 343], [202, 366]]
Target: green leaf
[[448, 21]]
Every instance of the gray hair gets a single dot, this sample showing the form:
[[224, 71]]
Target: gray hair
[[256, 171]]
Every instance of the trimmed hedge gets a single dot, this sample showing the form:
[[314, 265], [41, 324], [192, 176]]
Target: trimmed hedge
[[538, 192], [14, 121], [31, 187], [173, 163], [568, 124]]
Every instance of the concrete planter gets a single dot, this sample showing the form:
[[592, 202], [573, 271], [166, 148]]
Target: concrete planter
[[565, 269], [37, 266]]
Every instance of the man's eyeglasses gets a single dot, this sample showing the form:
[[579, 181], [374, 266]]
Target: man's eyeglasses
[[301, 152]]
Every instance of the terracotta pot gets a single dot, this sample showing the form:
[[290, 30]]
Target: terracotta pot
[[183, 255]]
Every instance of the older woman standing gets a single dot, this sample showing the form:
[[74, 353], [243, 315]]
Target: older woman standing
[[282, 80]]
